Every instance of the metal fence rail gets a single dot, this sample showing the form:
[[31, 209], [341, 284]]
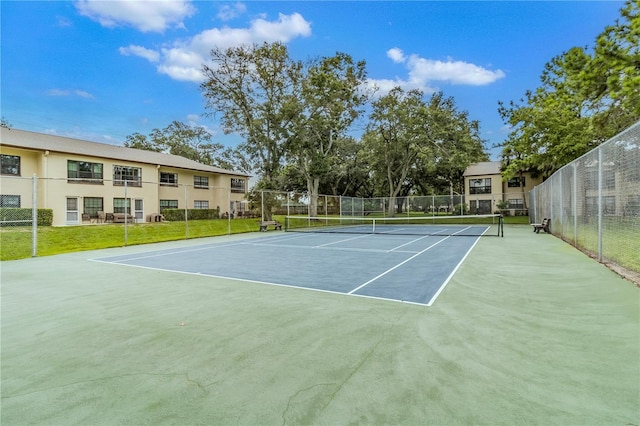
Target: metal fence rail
[[594, 201]]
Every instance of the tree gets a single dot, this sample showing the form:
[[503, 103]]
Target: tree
[[458, 144], [255, 91], [554, 126], [412, 143], [192, 142], [612, 78], [330, 101], [396, 135], [349, 170], [584, 99]]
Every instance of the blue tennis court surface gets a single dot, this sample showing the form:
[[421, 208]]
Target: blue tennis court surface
[[413, 269]]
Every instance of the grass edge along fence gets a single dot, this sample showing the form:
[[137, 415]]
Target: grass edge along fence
[[594, 202], [22, 237]]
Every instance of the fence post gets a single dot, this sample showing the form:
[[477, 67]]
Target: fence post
[[600, 204], [575, 204], [126, 215], [34, 217], [186, 212]]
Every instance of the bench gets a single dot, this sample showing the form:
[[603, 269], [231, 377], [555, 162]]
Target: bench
[[265, 223], [121, 217], [542, 226]]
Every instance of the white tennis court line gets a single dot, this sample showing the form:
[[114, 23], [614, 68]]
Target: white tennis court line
[[411, 258], [351, 293], [165, 253], [151, 254], [343, 240], [410, 242], [200, 274], [326, 245], [437, 293], [296, 246], [397, 266]]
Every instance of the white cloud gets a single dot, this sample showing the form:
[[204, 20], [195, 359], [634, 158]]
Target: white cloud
[[396, 55], [229, 12], [506, 129], [69, 92], [423, 73], [83, 94], [183, 59], [149, 55], [63, 21], [58, 92], [454, 72], [146, 16]]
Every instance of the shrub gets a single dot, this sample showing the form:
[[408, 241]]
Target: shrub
[[177, 215], [10, 216]]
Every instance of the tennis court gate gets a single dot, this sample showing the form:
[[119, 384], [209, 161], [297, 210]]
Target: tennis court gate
[[594, 201]]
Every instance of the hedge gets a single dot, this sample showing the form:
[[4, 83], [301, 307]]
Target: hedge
[[177, 215], [10, 216]]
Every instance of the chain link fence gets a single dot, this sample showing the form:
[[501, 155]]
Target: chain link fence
[[272, 203], [139, 211], [125, 212], [594, 201]]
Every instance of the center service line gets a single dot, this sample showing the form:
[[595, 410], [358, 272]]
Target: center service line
[[398, 265]]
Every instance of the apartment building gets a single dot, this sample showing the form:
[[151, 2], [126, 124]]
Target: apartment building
[[81, 180], [486, 192]]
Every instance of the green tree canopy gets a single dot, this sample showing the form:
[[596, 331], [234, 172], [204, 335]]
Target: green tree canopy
[[584, 99], [331, 99], [192, 142], [254, 89], [409, 140]]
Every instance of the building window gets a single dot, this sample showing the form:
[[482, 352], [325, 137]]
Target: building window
[[85, 172], [10, 201], [132, 175], [201, 204], [608, 179], [92, 205], [632, 175], [201, 182], [10, 164], [72, 214], [237, 185], [516, 204], [168, 204], [633, 206], [120, 205], [609, 205], [168, 179], [515, 182], [480, 186]]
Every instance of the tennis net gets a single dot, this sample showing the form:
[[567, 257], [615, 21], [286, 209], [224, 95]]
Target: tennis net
[[469, 225]]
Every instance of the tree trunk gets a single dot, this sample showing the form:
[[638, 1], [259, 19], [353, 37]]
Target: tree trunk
[[313, 184]]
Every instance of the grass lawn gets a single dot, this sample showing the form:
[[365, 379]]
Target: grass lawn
[[15, 243]]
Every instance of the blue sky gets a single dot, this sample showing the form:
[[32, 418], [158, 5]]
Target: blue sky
[[101, 70]]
